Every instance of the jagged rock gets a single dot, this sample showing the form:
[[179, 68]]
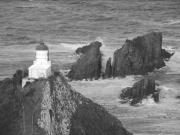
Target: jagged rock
[[88, 66], [139, 91], [139, 56], [108, 70], [166, 55], [17, 77], [51, 107]]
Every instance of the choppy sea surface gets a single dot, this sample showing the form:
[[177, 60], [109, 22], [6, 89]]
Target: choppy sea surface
[[64, 25]]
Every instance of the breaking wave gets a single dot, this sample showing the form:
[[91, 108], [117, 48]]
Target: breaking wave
[[103, 89], [72, 46], [105, 50], [172, 22], [174, 63]]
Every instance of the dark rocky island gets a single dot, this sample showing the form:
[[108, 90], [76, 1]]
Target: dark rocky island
[[140, 55], [51, 107], [88, 66], [139, 91]]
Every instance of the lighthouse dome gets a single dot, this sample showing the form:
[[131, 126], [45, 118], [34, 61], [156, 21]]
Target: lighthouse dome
[[42, 46]]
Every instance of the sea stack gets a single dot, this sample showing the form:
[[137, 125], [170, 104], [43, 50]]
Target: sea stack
[[108, 70], [88, 66], [139, 56]]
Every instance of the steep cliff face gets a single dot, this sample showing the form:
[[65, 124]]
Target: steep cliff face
[[88, 66], [11, 105], [139, 56], [64, 111], [51, 107]]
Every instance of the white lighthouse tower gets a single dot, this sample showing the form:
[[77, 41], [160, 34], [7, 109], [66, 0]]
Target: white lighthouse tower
[[41, 67]]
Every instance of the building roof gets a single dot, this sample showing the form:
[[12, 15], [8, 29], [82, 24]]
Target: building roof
[[42, 46]]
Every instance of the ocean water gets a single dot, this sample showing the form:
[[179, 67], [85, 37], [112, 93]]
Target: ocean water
[[65, 25]]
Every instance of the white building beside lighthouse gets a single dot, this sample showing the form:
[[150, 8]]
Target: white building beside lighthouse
[[41, 67]]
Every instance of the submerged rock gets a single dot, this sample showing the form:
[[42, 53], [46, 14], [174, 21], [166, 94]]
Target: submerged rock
[[140, 55], [139, 91], [88, 66], [51, 107]]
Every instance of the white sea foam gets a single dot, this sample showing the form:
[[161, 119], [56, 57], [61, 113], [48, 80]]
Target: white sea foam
[[108, 90], [174, 39], [105, 50], [148, 101], [100, 39], [159, 23], [73, 46], [103, 90], [170, 49], [172, 22], [167, 97], [169, 91], [174, 63]]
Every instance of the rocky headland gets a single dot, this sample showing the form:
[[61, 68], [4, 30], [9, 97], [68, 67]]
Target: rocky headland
[[51, 107]]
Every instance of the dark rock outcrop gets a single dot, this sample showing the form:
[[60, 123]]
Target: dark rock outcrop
[[88, 66], [178, 97], [140, 55], [51, 107], [139, 91], [108, 70], [17, 77], [166, 55], [11, 105]]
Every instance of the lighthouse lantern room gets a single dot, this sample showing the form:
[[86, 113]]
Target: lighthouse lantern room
[[41, 67]]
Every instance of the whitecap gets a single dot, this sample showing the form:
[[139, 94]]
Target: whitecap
[[148, 101], [170, 49], [171, 39], [105, 50], [168, 91], [174, 63], [172, 22]]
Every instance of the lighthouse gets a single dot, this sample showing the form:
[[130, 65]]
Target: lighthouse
[[41, 67]]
